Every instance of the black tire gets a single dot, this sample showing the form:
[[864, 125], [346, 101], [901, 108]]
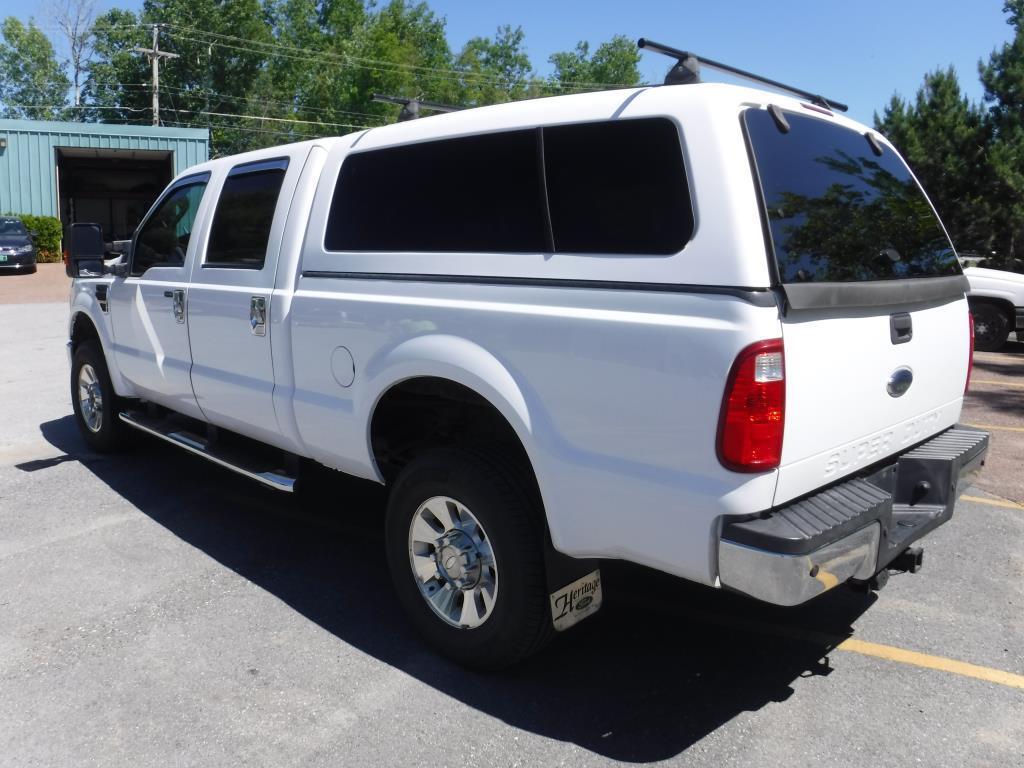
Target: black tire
[[109, 434], [991, 327], [499, 496]]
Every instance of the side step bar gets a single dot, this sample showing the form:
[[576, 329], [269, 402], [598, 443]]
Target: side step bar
[[233, 460]]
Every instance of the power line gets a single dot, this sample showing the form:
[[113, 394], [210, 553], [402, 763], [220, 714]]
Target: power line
[[276, 46], [71, 106], [449, 75], [272, 119], [224, 127], [298, 106]]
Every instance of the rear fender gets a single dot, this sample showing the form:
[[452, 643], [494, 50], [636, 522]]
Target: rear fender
[[455, 359]]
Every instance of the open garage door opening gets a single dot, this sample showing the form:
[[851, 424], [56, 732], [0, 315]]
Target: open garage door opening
[[111, 187]]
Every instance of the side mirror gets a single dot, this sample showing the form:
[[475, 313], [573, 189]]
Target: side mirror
[[86, 251]]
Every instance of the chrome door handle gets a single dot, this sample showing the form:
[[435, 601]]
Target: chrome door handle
[[258, 315], [177, 298]]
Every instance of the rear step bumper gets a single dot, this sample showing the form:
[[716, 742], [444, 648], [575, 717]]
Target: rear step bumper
[[851, 530]]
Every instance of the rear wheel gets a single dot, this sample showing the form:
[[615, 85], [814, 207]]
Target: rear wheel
[[991, 327], [93, 399], [464, 545]]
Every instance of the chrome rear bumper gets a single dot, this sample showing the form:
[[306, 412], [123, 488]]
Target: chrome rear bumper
[[851, 530], [793, 579]]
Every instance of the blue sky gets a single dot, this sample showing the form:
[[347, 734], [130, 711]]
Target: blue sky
[[856, 52]]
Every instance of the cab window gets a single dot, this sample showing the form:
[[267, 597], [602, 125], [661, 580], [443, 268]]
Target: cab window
[[163, 239], [240, 232]]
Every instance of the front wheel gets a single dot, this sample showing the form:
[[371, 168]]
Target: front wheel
[[93, 399], [465, 547]]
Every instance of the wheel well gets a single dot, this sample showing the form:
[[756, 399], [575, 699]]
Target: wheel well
[[424, 413], [1001, 304], [82, 329]]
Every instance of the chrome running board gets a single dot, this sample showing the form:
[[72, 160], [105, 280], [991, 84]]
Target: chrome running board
[[236, 461]]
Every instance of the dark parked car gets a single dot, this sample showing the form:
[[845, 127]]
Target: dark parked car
[[17, 251]]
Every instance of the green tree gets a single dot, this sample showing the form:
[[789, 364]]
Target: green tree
[[261, 72], [614, 63], [946, 141], [496, 70], [32, 83], [116, 84], [1003, 79]]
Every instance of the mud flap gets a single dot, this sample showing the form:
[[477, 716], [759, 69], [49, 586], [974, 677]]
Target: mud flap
[[574, 587]]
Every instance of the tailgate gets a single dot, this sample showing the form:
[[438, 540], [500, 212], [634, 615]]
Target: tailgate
[[875, 325], [846, 406]]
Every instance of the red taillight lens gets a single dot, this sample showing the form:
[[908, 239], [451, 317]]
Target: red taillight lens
[[970, 356], [753, 416]]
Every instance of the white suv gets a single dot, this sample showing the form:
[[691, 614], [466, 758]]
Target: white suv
[[713, 330]]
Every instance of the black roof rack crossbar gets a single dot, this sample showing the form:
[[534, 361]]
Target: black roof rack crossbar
[[687, 70], [411, 107]]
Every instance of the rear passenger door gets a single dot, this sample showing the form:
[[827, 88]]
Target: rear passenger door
[[231, 297]]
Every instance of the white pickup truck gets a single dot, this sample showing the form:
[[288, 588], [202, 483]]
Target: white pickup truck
[[996, 298], [713, 330]]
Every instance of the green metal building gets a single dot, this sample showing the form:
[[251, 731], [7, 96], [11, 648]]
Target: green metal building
[[109, 174]]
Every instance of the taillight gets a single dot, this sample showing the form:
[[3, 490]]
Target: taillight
[[753, 413], [970, 356]]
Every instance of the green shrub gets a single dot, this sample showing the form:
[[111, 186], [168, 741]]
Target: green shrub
[[48, 230]]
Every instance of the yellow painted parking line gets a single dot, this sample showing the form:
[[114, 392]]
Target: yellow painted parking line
[[999, 383], [995, 426], [927, 661], [993, 502]]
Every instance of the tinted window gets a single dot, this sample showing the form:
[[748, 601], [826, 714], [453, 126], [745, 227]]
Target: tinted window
[[839, 213], [618, 187], [163, 239], [479, 193], [242, 221]]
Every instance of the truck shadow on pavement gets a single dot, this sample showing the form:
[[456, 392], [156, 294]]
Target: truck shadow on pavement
[[661, 667]]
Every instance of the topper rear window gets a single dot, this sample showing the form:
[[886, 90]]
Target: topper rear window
[[839, 213]]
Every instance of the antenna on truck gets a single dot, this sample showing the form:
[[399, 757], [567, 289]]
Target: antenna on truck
[[687, 71], [411, 107]]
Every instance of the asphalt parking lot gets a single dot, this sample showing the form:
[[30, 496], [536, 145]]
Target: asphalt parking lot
[[156, 610]]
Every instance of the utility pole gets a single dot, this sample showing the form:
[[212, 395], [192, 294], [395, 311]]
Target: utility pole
[[154, 55]]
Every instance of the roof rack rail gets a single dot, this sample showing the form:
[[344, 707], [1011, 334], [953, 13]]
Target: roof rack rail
[[687, 70], [411, 107]]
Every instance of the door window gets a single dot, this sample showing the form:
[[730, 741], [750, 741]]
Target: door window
[[163, 239], [244, 215]]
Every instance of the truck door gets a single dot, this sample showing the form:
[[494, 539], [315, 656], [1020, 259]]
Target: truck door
[[231, 297], [148, 306]]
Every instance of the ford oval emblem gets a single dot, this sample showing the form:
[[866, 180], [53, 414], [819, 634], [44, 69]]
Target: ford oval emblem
[[583, 602], [899, 381]]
